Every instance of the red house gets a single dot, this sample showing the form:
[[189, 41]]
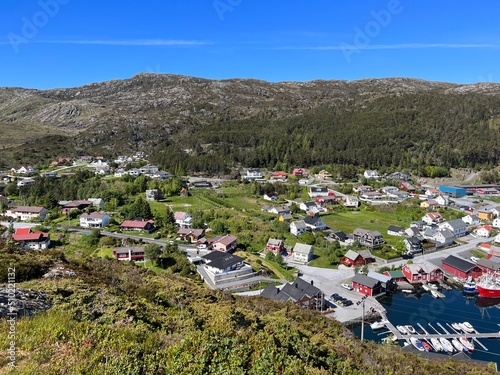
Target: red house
[[366, 285], [300, 172], [352, 258], [280, 175], [147, 226], [135, 253], [275, 246], [418, 272], [323, 201], [461, 267], [396, 275]]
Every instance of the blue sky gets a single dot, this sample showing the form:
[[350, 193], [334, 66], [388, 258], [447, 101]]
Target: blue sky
[[65, 43]]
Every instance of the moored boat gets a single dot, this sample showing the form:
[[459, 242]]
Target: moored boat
[[436, 345], [456, 327], [458, 346], [426, 346], [447, 346], [378, 325], [402, 329], [433, 286], [470, 286], [467, 327], [410, 329], [489, 285], [417, 344], [437, 294], [467, 344], [425, 287]]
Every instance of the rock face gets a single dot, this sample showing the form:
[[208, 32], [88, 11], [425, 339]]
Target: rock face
[[136, 112], [27, 302]]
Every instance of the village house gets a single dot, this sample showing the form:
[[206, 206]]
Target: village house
[[300, 172], [362, 189], [279, 210], [285, 216], [182, 219], [318, 192], [275, 246], [496, 223], [413, 244], [302, 253], [371, 174], [485, 215], [372, 196], [252, 174], [431, 192], [350, 201], [25, 182], [395, 230], [190, 234], [431, 218], [389, 189], [24, 169], [430, 204], [352, 259], [298, 227], [27, 213], [368, 238], [153, 195], [31, 240], [271, 197], [457, 227], [225, 243], [220, 268], [460, 267], [279, 176], [135, 253], [420, 272], [343, 238], [386, 282], [300, 292], [314, 222], [440, 237], [325, 175], [138, 225], [443, 200], [307, 206], [471, 220], [496, 211], [483, 231], [366, 285], [68, 206], [94, 220], [397, 276], [325, 201], [406, 186]]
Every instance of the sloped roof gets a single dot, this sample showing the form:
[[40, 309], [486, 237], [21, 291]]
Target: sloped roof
[[352, 255], [274, 242], [222, 260], [457, 223], [29, 236], [92, 215], [135, 224], [30, 209], [227, 239], [302, 248], [300, 288], [492, 265], [299, 224], [367, 281], [395, 274], [394, 228], [378, 276], [180, 215], [312, 220], [458, 263], [274, 293]]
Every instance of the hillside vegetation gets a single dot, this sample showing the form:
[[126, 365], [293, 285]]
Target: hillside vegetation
[[371, 123], [116, 318]]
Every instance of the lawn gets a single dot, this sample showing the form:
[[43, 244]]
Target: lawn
[[320, 260], [281, 272]]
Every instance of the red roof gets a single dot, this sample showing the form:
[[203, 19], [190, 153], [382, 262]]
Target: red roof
[[25, 234], [135, 223], [227, 240]]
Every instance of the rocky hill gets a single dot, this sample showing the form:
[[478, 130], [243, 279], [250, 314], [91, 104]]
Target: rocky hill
[[154, 110]]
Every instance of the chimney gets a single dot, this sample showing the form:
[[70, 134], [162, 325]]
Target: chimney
[[296, 285], [277, 290], [312, 282]]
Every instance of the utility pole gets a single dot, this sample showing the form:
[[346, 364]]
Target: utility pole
[[362, 301]]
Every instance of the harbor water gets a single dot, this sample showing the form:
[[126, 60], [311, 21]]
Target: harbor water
[[420, 307]]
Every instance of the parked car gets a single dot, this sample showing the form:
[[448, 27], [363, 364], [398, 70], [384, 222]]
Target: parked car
[[348, 303], [474, 259], [346, 286]]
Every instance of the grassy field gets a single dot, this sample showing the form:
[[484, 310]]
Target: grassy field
[[281, 272], [320, 260]]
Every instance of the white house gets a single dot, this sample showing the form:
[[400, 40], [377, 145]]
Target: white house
[[395, 230], [25, 213], [252, 174], [432, 218], [297, 227], [496, 223], [351, 201], [94, 220], [496, 211], [318, 192], [315, 223], [31, 240], [431, 192], [271, 197], [483, 231], [442, 200], [457, 227], [497, 238], [389, 189], [182, 219], [307, 206], [302, 253], [471, 220], [371, 174]]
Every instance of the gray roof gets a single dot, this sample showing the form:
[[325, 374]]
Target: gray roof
[[395, 228], [221, 260], [368, 281], [458, 263], [457, 223], [300, 288], [299, 224], [302, 248], [274, 242], [352, 255], [309, 204], [495, 266], [378, 276], [274, 293], [312, 220]]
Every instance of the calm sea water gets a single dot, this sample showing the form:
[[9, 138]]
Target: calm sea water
[[482, 313]]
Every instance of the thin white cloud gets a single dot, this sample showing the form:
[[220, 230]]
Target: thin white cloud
[[343, 46], [139, 42]]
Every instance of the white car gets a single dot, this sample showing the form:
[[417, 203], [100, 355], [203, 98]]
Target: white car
[[474, 259], [346, 286]]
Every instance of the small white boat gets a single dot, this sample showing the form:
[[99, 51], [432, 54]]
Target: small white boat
[[407, 291], [436, 345], [433, 286], [456, 326], [467, 344], [467, 327], [437, 294], [378, 325], [458, 346], [425, 287], [417, 344], [447, 346], [410, 329], [402, 329]]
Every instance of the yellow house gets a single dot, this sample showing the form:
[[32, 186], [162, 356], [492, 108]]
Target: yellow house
[[324, 174], [430, 204], [485, 215]]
